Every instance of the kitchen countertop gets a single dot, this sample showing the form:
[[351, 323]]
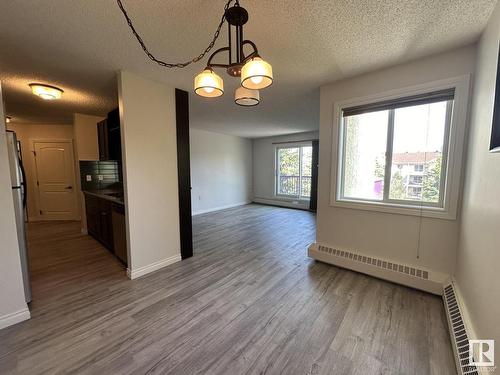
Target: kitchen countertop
[[107, 194]]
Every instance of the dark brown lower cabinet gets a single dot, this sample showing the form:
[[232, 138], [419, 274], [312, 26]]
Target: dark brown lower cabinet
[[119, 232], [99, 220], [93, 217]]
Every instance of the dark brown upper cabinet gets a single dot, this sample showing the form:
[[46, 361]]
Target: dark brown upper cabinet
[[102, 137], [109, 137]]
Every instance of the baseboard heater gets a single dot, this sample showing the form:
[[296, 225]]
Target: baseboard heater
[[458, 332], [397, 272], [430, 281]]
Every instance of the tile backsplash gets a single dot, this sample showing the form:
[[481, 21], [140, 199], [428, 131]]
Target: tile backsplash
[[97, 175]]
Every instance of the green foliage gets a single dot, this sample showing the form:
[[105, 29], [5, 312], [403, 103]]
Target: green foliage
[[379, 169], [398, 188], [351, 154], [289, 161], [306, 161], [432, 182]]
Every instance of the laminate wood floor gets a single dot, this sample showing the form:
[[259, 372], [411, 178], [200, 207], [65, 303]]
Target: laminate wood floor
[[248, 302]]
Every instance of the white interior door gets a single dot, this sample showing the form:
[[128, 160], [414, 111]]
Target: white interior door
[[55, 180]]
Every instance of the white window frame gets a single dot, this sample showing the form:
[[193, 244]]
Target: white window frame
[[276, 170], [388, 165], [452, 159]]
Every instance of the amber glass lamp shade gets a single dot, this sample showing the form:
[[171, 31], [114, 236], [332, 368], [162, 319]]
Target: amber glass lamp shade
[[246, 97], [208, 84], [256, 74]]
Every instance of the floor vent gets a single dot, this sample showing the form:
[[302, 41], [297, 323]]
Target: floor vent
[[380, 263], [458, 333]]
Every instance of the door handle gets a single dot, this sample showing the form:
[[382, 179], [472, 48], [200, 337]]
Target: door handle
[[69, 187]]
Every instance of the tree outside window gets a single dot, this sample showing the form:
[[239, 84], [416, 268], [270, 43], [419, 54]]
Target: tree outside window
[[294, 165]]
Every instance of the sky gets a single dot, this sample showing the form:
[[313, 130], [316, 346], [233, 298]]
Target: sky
[[417, 128]]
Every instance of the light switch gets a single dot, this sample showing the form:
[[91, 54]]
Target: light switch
[[88, 177], [100, 177]]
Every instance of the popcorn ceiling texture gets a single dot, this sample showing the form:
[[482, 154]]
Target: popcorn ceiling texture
[[80, 45]]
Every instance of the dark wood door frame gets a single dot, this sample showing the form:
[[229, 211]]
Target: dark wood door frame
[[313, 203], [184, 172]]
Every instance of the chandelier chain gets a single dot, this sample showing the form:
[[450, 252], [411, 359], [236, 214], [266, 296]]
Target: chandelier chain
[[174, 65]]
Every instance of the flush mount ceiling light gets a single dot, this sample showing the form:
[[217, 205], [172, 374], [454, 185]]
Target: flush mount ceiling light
[[255, 73], [46, 92]]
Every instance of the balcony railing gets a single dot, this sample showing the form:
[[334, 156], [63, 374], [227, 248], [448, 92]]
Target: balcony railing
[[290, 185]]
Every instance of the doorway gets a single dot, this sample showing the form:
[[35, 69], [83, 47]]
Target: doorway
[[55, 180]]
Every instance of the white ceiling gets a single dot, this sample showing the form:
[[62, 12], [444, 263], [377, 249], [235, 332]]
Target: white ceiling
[[80, 45]]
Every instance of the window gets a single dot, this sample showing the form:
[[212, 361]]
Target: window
[[416, 180], [394, 152], [293, 167], [415, 192], [419, 167]]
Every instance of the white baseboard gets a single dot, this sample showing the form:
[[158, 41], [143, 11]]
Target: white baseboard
[[433, 282], [220, 208], [141, 271], [283, 203], [14, 318]]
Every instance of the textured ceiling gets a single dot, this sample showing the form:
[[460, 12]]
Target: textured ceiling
[[80, 45]]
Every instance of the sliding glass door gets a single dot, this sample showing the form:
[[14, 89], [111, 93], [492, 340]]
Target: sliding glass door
[[293, 171]]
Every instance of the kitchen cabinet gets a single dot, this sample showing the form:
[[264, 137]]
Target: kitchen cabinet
[[102, 139], [119, 232], [99, 220], [114, 136], [109, 137], [93, 216]]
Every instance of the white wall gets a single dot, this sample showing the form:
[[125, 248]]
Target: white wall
[[13, 308], [478, 267], [147, 117], [26, 133], [221, 171], [264, 161], [387, 235]]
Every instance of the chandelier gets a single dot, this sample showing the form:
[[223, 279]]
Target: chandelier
[[254, 73]]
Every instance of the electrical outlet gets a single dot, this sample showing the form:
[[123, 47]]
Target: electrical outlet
[[88, 177], [100, 177]]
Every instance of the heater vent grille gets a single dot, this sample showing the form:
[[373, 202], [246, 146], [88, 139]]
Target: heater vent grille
[[458, 332], [380, 263]]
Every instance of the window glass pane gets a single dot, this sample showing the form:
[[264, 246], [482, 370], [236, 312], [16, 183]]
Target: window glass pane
[[306, 166], [417, 152], [289, 171], [364, 155]]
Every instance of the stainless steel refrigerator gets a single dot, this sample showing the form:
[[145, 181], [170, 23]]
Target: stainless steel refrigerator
[[18, 179]]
